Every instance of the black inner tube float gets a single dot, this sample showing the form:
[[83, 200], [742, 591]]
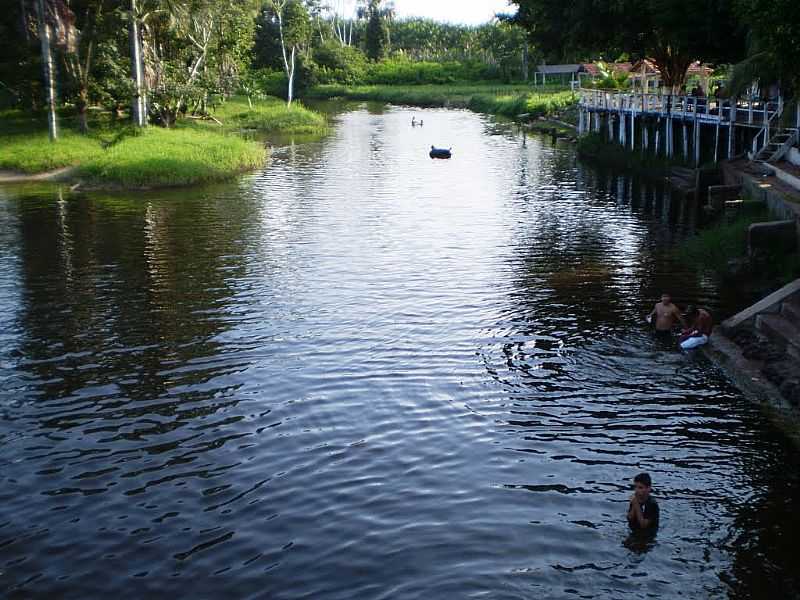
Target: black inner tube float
[[441, 152]]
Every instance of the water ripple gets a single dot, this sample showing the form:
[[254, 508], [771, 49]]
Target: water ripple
[[364, 374]]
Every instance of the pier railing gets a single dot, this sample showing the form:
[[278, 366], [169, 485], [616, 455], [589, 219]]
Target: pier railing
[[744, 112]]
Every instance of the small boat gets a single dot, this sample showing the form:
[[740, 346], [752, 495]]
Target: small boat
[[441, 152]]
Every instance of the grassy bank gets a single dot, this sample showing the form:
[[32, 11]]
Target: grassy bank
[[722, 248], [162, 157], [269, 115], [34, 153], [117, 155], [507, 100]]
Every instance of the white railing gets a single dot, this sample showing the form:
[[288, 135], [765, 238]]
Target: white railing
[[762, 138], [744, 112]]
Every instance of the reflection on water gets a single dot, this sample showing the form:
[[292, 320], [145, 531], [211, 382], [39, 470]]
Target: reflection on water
[[365, 374]]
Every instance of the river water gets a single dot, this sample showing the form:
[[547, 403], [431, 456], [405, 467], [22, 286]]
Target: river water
[[361, 373]]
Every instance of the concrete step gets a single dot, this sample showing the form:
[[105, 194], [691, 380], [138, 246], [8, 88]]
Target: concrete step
[[791, 311], [781, 331]]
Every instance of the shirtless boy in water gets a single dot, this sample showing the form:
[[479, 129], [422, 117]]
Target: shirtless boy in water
[[667, 315]]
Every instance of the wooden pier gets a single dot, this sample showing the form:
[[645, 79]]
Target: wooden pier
[[673, 124]]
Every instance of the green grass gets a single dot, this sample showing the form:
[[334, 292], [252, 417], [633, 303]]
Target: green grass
[[160, 157], [532, 104], [34, 153], [509, 100], [270, 115], [716, 247], [116, 154]]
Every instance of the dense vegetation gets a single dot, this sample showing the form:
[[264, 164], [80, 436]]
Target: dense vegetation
[[760, 36], [203, 68], [218, 64], [722, 249], [125, 156]]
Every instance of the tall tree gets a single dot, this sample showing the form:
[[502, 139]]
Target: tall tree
[[45, 38], [139, 111], [80, 49], [773, 44], [377, 34], [294, 28], [671, 32]]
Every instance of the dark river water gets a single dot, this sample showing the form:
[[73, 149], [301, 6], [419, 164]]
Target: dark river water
[[364, 374]]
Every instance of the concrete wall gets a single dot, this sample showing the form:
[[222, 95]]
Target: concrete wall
[[794, 156], [787, 177], [755, 189]]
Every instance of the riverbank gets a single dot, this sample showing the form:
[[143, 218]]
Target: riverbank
[[115, 155], [517, 101]]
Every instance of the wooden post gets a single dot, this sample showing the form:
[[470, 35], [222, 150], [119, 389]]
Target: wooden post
[[685, 143], [730, 140], [658, 135], [633, 130], [667, 134], [697, 143], [716, 143], [646, 139]]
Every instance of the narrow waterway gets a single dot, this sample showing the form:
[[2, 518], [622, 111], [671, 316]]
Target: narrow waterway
[[361, 373]]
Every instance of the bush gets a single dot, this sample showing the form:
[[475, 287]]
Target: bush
[[339, 64], [259, 83], [270, 115], [402, 71]]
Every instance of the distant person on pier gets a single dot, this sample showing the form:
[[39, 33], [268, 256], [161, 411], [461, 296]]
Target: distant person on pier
[[414, 121], [665, 316], [699, 331], [643, 511]]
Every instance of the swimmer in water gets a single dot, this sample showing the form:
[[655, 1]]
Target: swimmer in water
[[698, 334], [666, 316], [643, 511]]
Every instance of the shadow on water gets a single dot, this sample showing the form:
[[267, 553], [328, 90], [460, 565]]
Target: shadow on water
[[363, 373]]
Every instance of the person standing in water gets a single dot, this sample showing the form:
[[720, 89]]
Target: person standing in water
[[643, 511], [698, 333], [665, 315]]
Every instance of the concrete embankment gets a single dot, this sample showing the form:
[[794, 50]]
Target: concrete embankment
[[759, 348]]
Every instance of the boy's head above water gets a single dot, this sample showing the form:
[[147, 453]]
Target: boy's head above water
[[642, 485]]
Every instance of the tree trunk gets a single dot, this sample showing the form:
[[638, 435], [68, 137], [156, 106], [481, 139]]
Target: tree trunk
[[137, 72], [673, 68], [291, 78], [49, 72], [82, 106], [525, 59]]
